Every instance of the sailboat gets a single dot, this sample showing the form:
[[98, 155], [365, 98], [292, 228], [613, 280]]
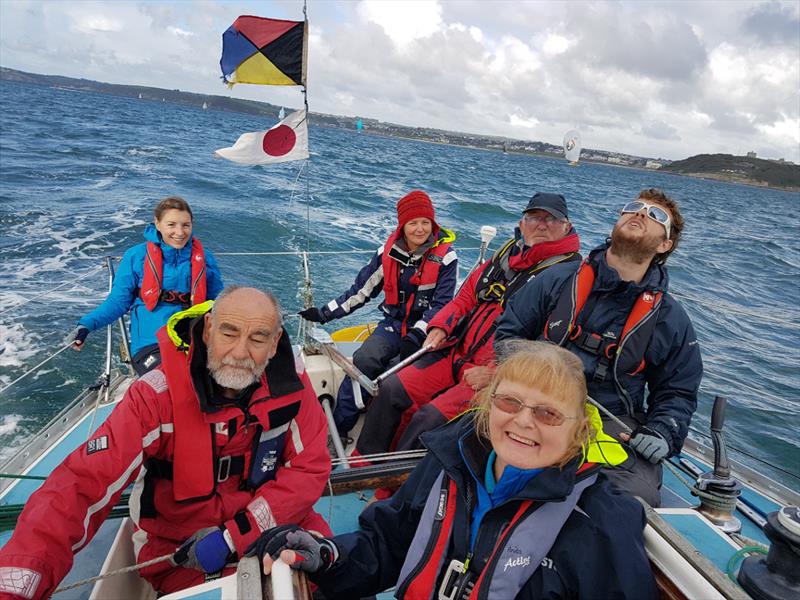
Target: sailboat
[[572, 146], [359, 125], [281, 114], [140, 96], [205, 106]]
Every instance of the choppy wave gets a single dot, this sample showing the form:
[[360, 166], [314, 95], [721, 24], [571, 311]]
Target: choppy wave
[[80, 174]]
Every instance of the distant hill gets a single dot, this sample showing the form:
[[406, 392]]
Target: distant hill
[[371, 126], [739, 169]]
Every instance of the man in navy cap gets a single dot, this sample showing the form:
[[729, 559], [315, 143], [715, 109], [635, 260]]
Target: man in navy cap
[[441, 383]]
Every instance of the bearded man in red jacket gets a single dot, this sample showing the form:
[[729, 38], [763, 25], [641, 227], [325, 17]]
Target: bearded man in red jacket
[[440, 384], [223, 440]]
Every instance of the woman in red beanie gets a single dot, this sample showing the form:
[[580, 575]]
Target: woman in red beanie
[[416, 270]]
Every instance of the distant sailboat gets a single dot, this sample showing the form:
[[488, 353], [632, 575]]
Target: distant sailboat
[[140, 96], [205, 106], [281, 114], [572, 146], [359, 125]]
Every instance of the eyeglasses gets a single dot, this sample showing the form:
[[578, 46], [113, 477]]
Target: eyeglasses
[[543, 414], [656, 213], [536, 219]]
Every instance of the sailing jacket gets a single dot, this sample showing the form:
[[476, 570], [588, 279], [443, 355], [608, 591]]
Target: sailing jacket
[[269, 465], [470, 319], [598, 550], [425, 282], [124, 296], [667, 343]]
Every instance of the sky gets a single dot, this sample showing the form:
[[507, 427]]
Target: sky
[[656, 79]]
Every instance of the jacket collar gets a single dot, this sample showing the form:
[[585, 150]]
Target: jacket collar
[[280, 378]]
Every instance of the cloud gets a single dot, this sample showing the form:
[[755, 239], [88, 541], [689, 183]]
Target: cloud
[[660, 130], [645, 77], [773, 23]]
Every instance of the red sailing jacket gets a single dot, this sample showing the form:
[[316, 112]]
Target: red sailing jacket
[[152, 276], [476, 317], [280, 450]]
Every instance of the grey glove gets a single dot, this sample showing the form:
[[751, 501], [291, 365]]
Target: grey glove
[[649, 444], [314, 554], [77, 336]]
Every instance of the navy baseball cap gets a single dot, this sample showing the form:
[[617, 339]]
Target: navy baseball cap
[[555, 204]]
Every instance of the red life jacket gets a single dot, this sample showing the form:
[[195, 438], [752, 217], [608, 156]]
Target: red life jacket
[[425, 277], [625, 354], [194, 466], [152, 290]]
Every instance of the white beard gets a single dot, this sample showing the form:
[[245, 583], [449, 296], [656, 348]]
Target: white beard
[[232, 378]]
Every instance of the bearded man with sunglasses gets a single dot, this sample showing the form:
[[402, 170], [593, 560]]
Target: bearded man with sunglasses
[[614, 312]]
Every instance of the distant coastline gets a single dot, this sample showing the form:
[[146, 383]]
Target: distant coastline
[[721, 167]]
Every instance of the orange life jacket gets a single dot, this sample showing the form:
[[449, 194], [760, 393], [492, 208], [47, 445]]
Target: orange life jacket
[[152, 290]]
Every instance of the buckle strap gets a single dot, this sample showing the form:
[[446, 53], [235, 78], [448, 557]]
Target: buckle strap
[[457, 583], [226, 467], [175, 297]]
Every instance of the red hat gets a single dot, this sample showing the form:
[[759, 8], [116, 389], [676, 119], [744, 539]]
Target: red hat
[[414, 205]]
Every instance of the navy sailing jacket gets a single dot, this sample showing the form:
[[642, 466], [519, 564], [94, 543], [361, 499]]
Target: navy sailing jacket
[[427, 302], [673, 367], [599, 552]]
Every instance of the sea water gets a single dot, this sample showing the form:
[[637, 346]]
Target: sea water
[[80, 173]]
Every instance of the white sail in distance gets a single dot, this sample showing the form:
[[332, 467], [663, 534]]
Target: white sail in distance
[[572, 145]]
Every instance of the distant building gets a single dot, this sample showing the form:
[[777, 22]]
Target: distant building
[[652, 164], [751, 154]]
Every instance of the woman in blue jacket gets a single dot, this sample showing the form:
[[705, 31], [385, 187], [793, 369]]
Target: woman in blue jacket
[[167, 273], [508, 503]]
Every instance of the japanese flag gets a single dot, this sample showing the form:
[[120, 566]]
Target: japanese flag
[[288, 140]]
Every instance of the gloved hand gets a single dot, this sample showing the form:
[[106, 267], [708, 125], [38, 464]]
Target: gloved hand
[[313, 314], [649, 443], [411, 342], [77, 336], [313, 554], [207, 550]]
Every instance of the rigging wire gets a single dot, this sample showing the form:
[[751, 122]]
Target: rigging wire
[[730, 308], [29, 371], [758, 392], [50, 291]]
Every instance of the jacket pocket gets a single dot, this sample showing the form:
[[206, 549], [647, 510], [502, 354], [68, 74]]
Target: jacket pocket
[[266, 456]]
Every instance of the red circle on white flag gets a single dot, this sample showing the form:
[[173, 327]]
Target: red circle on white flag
[[279, 141]]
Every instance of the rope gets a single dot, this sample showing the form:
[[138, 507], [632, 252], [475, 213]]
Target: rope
[[17, 476], [381, 457], [743, 541], [29, 371], [146, 563], [739, 555], [50, 291]]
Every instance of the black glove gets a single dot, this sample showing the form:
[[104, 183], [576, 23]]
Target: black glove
[[314, 554], [207, 550], [313, 314], [77, 336], [649, 443], [410, 343]]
